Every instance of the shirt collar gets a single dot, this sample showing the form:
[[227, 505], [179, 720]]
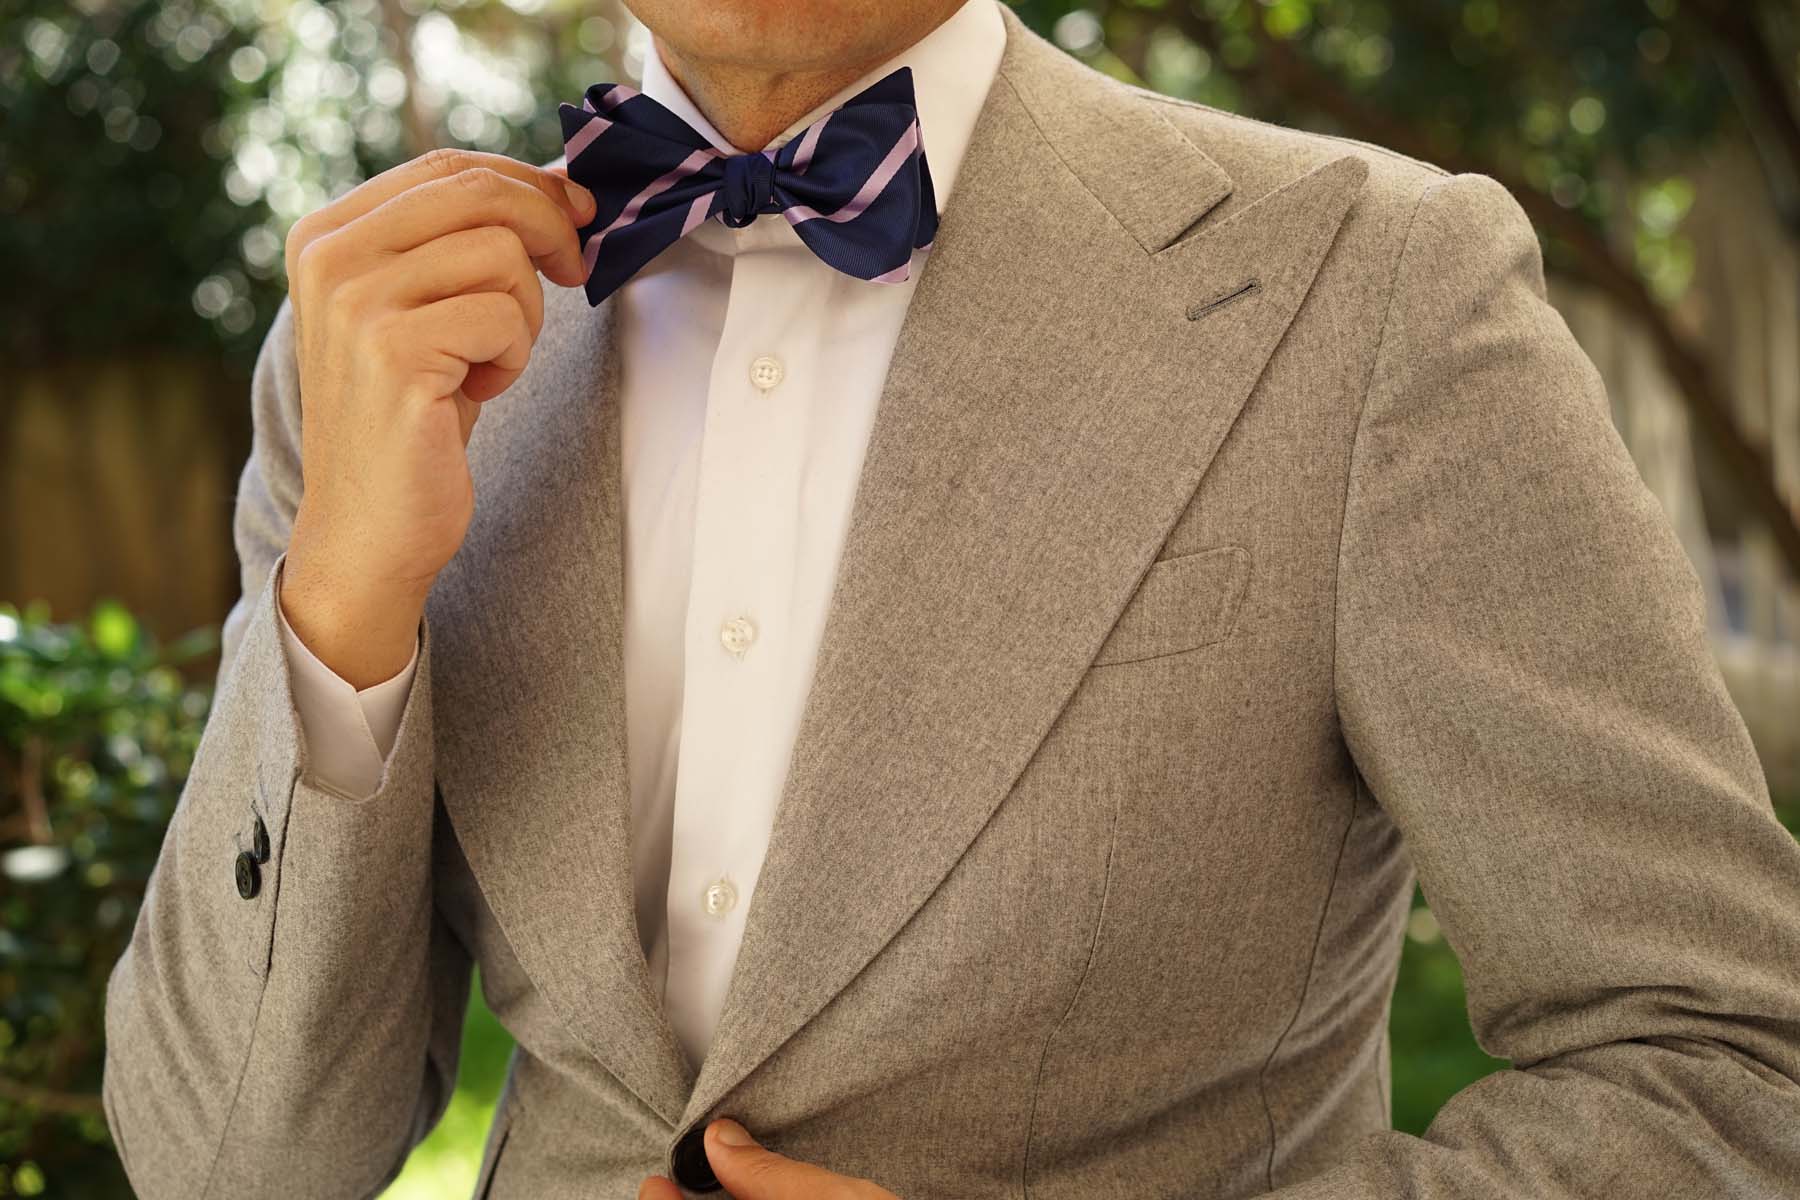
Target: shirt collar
[[953, 67]]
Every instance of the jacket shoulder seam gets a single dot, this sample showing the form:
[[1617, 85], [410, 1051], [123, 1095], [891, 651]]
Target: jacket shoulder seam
[[1240, 118]]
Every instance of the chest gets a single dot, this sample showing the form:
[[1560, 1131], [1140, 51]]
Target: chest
[[749, 378]]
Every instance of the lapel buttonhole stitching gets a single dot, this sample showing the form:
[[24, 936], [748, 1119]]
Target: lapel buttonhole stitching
[[1248, 288]]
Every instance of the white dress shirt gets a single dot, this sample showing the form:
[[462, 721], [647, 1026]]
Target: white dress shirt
[[749, 377]]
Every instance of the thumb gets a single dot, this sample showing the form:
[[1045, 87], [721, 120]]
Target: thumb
[[750, 1172]]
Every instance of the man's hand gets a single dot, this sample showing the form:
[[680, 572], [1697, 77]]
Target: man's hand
[[415, 298], [749, 1172]]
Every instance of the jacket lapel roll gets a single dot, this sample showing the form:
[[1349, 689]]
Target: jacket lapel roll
[[1036, 441], [530, 682]]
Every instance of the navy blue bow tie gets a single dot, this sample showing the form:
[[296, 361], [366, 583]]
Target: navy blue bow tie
[[853, 184]]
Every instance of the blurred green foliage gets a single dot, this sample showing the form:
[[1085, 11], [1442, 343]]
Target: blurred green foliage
[[97, 730], [158, 150], [110, 175], [1598, 107]]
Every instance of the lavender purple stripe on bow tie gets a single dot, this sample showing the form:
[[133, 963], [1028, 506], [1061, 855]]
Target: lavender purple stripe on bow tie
[[853, 184]]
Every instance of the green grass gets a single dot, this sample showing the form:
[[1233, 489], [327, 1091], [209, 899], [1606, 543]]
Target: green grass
[[447, 1162], [1434, 1051]]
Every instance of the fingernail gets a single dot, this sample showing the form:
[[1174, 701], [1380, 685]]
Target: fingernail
[[731, 1133], [580, 197]]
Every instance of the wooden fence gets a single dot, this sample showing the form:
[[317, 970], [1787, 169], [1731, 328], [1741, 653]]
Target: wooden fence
[[117, 479]]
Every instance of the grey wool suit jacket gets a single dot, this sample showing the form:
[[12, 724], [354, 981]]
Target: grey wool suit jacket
[[1241, 534]]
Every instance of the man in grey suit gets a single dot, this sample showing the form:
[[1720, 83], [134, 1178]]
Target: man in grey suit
[[1237, 533]]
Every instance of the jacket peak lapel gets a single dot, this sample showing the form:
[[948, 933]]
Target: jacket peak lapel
[[1148, 174]]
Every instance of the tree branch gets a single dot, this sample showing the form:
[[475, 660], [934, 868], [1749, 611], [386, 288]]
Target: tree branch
[[1770, 104], [66, 1104], [31, 791]]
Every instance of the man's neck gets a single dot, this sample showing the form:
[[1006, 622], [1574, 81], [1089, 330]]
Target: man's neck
[[751, 106]]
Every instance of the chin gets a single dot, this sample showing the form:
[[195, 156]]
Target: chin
[[783, 35]]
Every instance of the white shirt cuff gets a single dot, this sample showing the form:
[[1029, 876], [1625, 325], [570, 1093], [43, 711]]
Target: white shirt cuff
[[348, 733]]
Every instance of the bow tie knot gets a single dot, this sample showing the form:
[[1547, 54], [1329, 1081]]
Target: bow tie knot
[[748, 190], [853, 185]]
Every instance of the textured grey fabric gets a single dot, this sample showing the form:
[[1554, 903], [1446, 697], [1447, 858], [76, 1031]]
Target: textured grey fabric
[[1179, 622]]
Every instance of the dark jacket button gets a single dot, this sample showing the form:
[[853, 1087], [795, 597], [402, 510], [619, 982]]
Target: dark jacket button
[[259, 840], [692, 1171], [249, 878]]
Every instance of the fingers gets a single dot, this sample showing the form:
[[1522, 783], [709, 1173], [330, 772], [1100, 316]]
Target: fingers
[[466, 200], [490, 258], [480, 197], [472, 187], [443, 163], [750, 1172], [478, 342]]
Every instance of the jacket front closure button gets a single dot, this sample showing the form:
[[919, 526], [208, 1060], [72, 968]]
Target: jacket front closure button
[[691, 1170]]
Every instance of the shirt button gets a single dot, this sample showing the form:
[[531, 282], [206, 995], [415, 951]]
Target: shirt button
[[766, 372], [737, 634], [720, 896]]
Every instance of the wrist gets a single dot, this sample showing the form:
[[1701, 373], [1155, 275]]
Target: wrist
[[364, 629]]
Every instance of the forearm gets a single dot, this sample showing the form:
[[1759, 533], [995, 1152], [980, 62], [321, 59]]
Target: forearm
[[1695, 1117]]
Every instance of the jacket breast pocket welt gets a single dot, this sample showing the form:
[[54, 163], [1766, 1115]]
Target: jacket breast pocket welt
[[1182, 603]]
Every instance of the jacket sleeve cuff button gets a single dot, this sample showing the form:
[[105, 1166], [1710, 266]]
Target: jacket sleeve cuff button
[[249, 878]]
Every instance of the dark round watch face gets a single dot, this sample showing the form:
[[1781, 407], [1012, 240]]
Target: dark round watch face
[[249, 878]]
